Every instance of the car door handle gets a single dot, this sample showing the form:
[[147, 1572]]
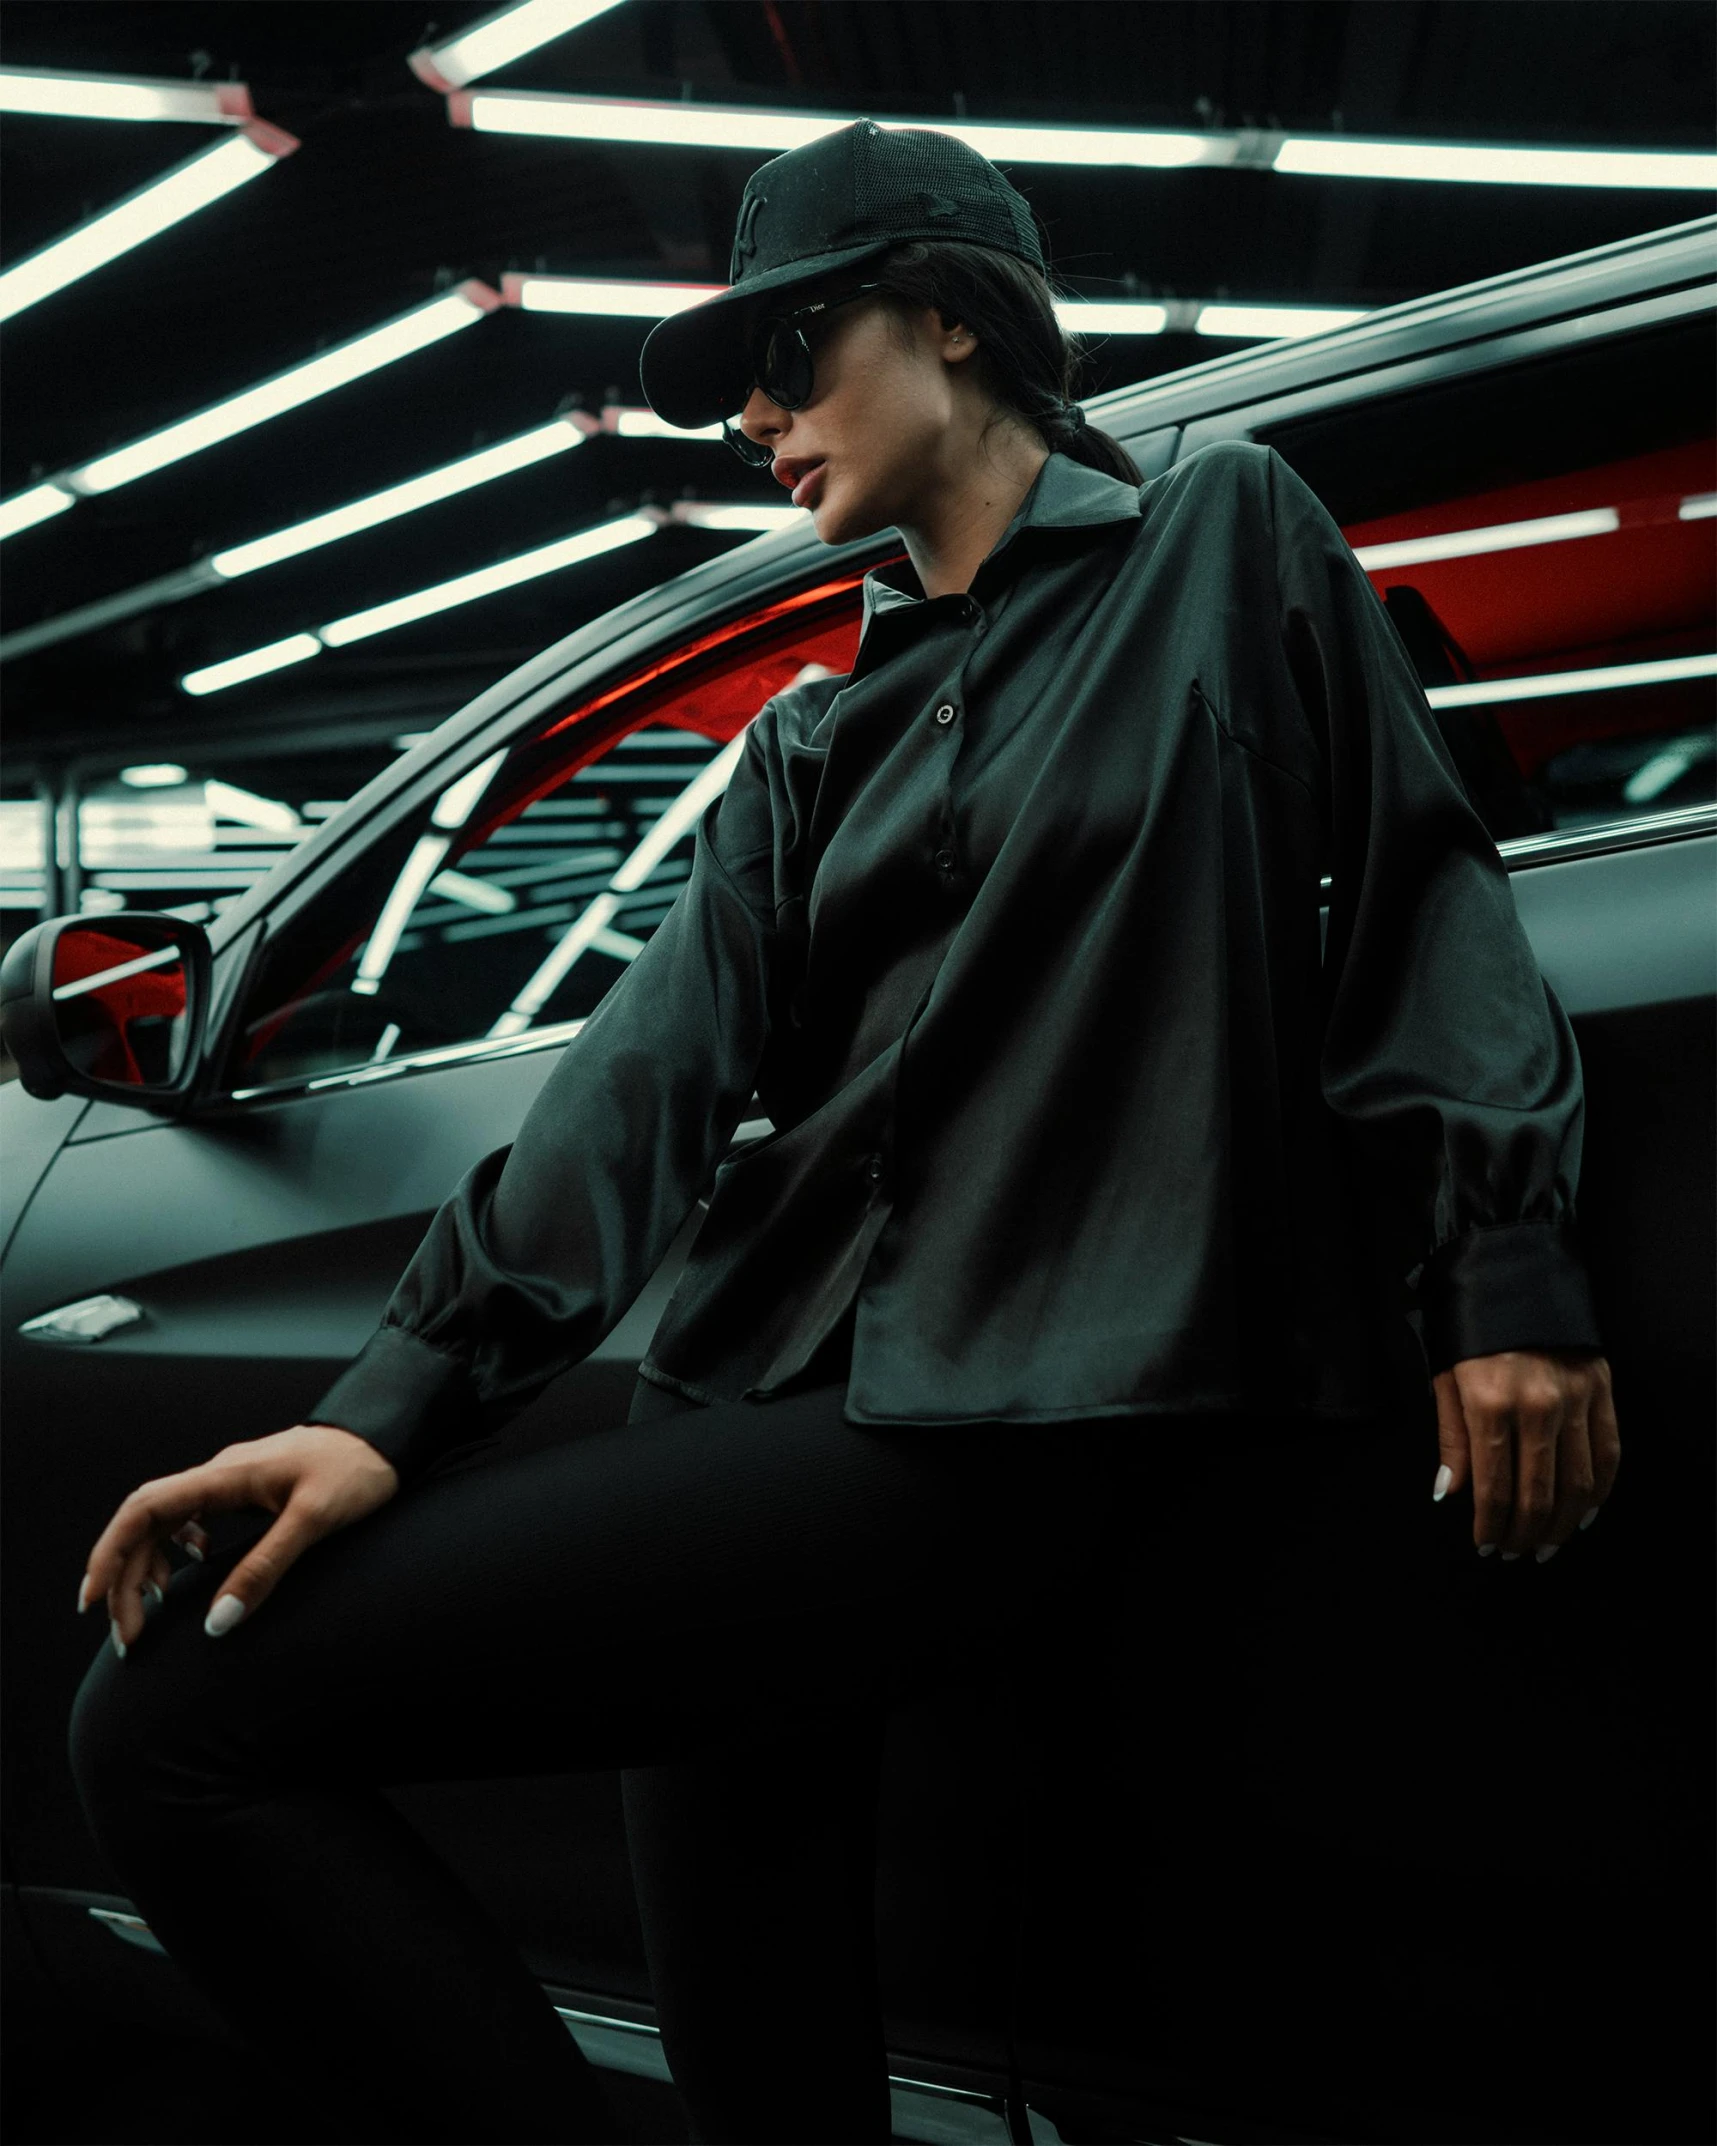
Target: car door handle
[[89, 1319]]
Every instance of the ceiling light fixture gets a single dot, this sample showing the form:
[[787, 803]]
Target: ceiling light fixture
[[152, 209], [405, 610], [57, 93], [398, 338], [521, 452], [367, 353], [1091, 316], [1338, 156], [500, 38]]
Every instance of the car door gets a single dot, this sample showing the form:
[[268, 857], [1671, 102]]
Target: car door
[[1455, 1882], [382, 1025]]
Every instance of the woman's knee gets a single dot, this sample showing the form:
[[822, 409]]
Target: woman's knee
[[132, 1734]]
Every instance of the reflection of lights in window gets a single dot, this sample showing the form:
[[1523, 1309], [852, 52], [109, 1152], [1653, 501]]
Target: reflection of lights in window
[[455, 804], [1698, 506], [1500, 536], [1666, 767], [593, 926], [1605, 678], [473, 893], [452, 809], [420, 868], [385, 1043], [153, 775]]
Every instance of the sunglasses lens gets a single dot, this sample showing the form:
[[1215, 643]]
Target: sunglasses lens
[[784, 366]]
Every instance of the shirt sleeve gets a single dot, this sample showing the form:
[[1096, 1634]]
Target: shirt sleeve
[[545, 1243], [1444, 1048]]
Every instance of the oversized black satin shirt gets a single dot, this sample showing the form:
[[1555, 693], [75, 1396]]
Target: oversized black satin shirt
[[1014, 932]]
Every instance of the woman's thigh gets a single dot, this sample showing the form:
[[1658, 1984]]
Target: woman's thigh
[[620, 1598]]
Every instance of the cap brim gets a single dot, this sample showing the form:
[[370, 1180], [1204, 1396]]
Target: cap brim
[[695, 366]]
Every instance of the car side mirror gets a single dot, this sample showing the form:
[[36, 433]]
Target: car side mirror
[[110, 1006]]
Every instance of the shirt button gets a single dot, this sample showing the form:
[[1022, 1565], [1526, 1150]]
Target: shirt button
[[946, 860], [945, 714], [873, 1168]]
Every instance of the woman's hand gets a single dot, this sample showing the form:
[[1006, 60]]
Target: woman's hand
[[1536, 1430], [316, 1477]]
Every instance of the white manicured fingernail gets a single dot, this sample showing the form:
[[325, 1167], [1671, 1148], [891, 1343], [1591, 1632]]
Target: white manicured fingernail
[[1445, 1476], [1485, 1548], [150, 1588], [1590, 1517], [225, 1614], [1509, 1556], [83, 1594], [1547, 1550], [191, 1550], [118, 1643]]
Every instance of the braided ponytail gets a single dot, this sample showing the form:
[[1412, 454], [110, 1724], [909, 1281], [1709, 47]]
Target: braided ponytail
[[1027, 360]]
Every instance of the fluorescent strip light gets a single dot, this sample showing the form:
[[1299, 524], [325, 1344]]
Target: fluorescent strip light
[[612, 297], [153, 775], [367, 353], [715, 126], [646, 425], [463, 589], [1697, 507], [1500, 536], [436, 484], [1262, 323], [712, 126], [1606, 679], [1340, 156], [40, 504], [501, 38], [154, 208], [505, 574], [61, 95], [698, 516], [588, 294], [217, 676]]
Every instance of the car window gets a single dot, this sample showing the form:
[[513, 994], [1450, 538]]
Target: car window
[[1544, 539], [508, 904]]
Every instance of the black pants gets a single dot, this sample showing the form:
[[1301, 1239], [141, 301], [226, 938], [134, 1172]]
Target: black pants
[[723, 1602]]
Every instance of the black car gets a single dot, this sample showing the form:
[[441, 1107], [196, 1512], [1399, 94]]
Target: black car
[[1456, 1884]]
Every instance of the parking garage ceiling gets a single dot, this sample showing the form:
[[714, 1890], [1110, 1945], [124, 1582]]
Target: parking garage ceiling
[[384, 205]]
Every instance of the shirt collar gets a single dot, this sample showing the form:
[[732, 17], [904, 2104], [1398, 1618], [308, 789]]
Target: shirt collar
[[1064, 495]]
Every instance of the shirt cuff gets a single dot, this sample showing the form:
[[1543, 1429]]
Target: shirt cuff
[[1513, 1285], [411, 1401]]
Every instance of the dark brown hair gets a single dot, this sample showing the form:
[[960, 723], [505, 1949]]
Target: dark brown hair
[[1027, 360]]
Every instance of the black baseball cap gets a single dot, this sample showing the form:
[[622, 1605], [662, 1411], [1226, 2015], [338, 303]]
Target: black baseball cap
[[838, 201]]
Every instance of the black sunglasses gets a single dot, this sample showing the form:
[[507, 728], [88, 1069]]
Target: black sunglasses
[[782, 366]]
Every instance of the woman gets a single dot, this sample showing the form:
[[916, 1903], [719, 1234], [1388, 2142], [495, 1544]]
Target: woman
[[1014, 931]]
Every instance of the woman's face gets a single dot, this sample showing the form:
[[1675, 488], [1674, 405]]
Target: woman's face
[[893, 422]]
